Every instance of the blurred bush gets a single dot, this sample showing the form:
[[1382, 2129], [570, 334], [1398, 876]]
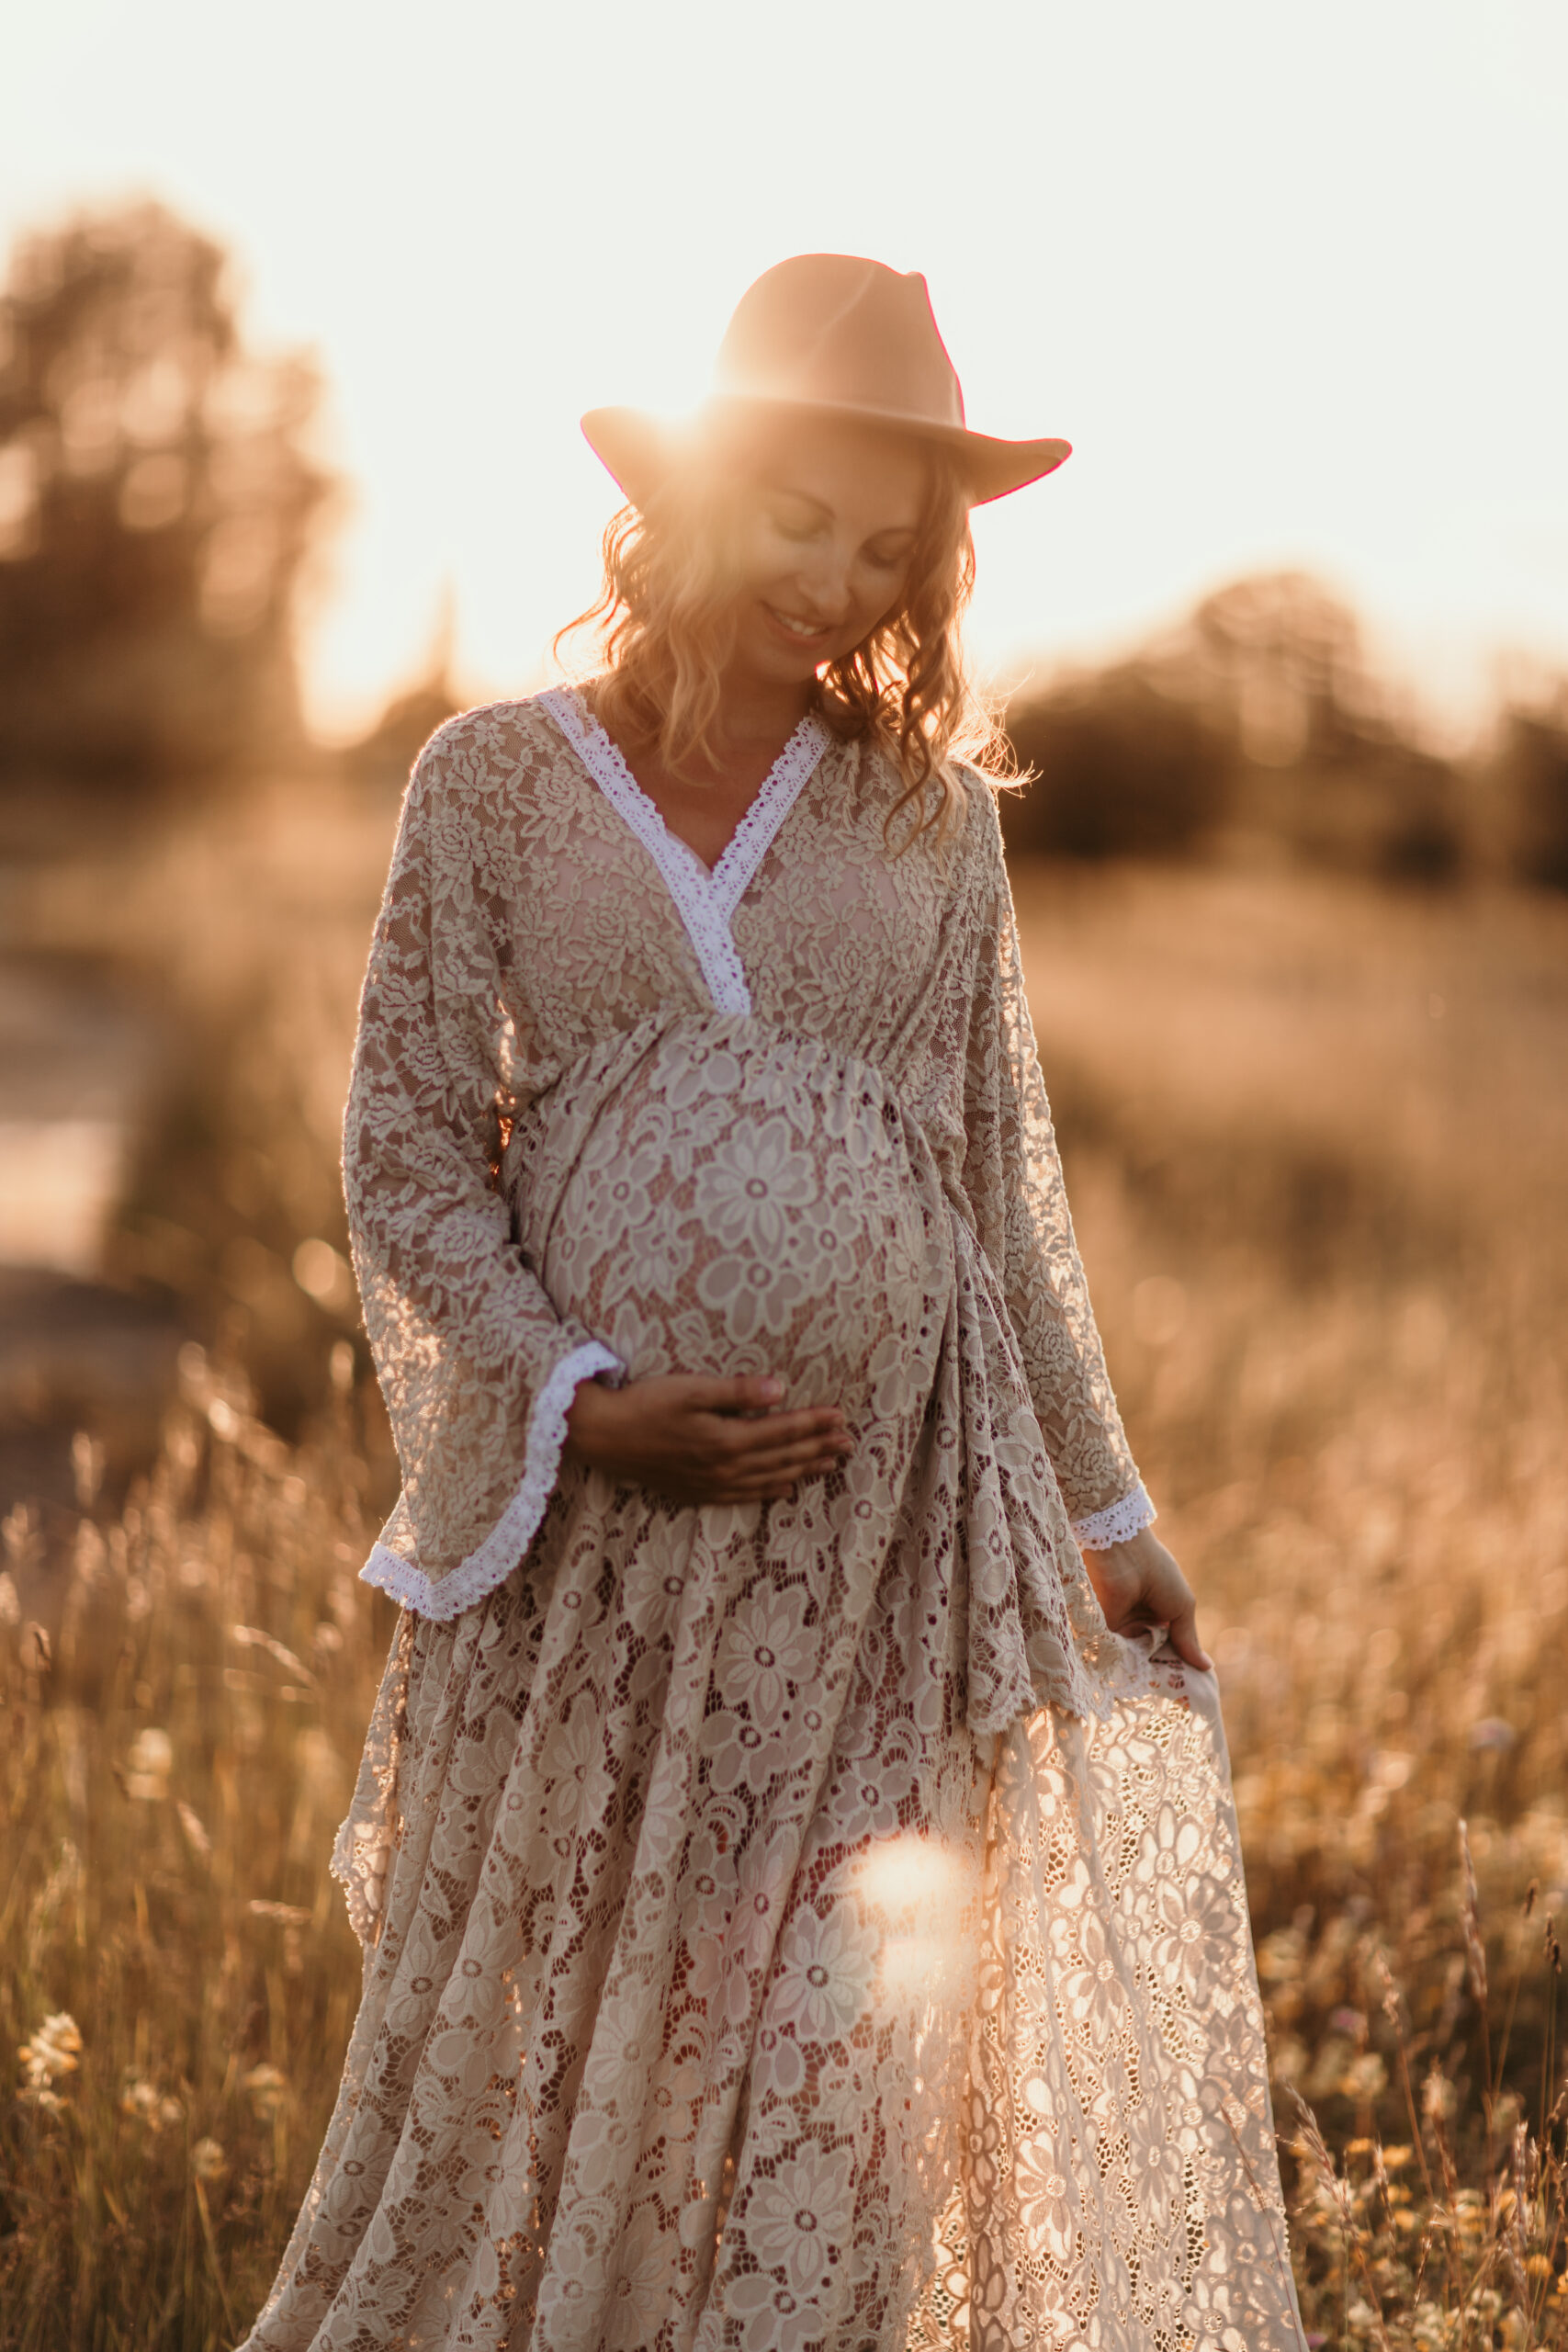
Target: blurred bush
[[1255, 727], [1125, 763], [156, 507], [1531, 777]]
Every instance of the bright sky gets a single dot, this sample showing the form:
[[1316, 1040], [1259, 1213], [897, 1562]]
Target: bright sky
[[1290, 277]]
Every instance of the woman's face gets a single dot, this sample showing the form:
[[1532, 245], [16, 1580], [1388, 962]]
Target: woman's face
[[828, 522]]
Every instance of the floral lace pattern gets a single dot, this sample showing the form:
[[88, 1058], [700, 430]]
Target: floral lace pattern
[[789, 1928], [519, 930], [705, 902]]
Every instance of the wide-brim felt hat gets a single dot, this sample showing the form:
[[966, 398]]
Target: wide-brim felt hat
[[831, 336]]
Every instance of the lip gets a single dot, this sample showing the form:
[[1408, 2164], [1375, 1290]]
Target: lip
[[807, 641]]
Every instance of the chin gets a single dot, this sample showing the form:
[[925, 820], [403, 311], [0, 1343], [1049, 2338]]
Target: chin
[[782, 663], [772, 657]]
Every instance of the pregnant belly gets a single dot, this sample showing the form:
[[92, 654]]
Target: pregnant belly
[[732, 1200]]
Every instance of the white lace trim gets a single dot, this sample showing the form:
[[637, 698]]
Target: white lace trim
[[705, 902], [1117, 1523], [474, 1578]]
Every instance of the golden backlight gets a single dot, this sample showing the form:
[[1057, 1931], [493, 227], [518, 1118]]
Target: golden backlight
[[1289, 279]]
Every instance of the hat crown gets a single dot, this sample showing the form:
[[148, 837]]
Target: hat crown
[[835, 330]]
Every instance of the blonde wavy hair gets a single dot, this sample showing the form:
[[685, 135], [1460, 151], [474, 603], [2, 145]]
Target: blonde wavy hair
[[664, 625]]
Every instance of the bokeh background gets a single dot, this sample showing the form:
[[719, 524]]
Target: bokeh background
[[297, 320]]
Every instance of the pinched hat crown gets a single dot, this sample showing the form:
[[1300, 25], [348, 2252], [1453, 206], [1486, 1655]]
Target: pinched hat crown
[[827, 330], [836, 335]]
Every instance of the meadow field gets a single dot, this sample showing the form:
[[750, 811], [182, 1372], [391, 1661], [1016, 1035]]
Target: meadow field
[[1316, 1138]]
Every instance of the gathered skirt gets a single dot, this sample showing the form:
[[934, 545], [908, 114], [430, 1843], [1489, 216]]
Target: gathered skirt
[[798, 1927]]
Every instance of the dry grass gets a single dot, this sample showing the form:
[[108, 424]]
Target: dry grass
[[1324, 1219], [175, 1765]]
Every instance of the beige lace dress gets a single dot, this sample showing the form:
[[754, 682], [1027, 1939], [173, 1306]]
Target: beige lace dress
[[789, 1928]]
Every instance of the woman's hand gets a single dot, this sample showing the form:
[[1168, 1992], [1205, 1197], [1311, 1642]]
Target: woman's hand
[[704, 1440], [1139, 1584]]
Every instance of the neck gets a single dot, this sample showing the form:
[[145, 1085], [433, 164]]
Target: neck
[[755, 712]]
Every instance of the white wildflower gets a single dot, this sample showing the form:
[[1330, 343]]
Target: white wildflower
[[149, 1765], [48, 2056]]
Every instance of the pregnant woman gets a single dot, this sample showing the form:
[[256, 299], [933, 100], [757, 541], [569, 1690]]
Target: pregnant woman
[[794, 1851]]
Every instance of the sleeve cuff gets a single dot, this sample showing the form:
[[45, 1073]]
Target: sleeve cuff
[[1117, 1523], [476, 1578]]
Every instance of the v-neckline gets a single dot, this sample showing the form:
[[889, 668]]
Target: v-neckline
[[705, 896]]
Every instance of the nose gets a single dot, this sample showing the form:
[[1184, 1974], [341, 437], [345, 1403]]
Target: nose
[[826, 580]]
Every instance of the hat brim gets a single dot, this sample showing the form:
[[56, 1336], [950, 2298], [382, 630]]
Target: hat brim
[[640, 449]]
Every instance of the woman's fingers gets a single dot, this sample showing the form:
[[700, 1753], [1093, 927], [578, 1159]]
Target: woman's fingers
[[706, 1440], [749, 1392], [732, 1440], [1183, 1632]]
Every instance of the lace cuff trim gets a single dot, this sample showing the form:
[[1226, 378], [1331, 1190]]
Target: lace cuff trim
[[1117, 1522], [477, 1576]]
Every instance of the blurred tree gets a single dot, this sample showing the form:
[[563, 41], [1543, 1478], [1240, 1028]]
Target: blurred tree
[[1254, 725], [1122, 768], [1532, 767], [156, 505], [1323, 768]]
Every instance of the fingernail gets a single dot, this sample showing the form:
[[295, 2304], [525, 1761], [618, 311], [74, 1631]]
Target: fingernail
[[773, 1390]]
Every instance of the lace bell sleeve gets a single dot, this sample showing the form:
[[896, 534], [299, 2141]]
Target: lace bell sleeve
[[1013, 1180], [476, 1368]]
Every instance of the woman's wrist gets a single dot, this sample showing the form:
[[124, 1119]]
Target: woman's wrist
[[590, 1419]]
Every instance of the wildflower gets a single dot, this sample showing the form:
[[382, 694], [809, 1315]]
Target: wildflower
[[144, 2104], [208, 2160], [47, 2058], [1289, 2061], [1364, 2079], [1437, 2100], [267, 2090], [149, 1765], [1281, 1955]]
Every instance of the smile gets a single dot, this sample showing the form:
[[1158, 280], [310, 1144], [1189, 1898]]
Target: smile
[[803, 629]]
